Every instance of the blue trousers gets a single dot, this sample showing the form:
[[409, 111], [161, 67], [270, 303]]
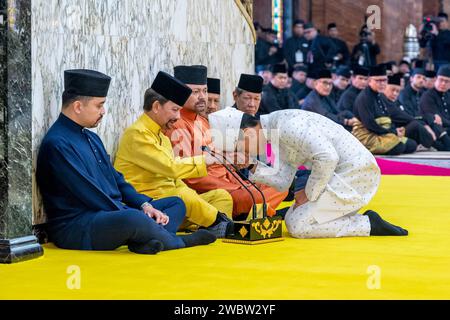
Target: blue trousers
[[302, 177], [111, 230]]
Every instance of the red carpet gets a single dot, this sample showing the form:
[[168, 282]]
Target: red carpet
[[389, 167]]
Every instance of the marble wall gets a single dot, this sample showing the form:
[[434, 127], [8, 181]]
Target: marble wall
[[15, 118], [130, 40]]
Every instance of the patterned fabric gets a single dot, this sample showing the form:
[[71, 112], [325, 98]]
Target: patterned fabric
[[376, 143], [226, 123], [301, 224], [344, 174]]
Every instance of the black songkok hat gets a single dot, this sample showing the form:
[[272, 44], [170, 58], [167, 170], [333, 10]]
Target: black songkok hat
[[332, 25], [88, 83], [191, 74], [251, 83], [404, 62], [321, 74], [379, 70], [390, 64], [419, 63], [301, 68], [416, 71], [444, 71], [265, 67], [430, 74], [344, 71], [279, 68], [395, 79], [171, 88], [360, 71], [309, 25], [214, 85]]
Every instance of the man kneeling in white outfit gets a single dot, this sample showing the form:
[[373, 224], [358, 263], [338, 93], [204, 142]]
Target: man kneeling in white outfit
[[344, 174]]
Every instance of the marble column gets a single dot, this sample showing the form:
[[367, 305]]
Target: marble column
[[15, 132]]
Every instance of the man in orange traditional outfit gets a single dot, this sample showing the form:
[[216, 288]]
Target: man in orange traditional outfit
[[192, 132]]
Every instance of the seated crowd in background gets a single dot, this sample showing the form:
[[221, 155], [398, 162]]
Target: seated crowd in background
[[392, 108]]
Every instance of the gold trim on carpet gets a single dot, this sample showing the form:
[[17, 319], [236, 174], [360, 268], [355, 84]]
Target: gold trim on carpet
[[252, 242]]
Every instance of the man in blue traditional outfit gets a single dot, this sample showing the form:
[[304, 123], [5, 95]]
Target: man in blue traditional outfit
[[88, 203]]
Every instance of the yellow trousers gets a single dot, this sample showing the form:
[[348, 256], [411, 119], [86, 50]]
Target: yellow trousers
[[201, 209]]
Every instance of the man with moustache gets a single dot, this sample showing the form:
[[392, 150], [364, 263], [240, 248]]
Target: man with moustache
[[146, 158], [89, 204], [435, 103], [410, 96], [213, 97]]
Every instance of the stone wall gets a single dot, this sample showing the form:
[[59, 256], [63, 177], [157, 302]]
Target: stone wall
[[130, 40]]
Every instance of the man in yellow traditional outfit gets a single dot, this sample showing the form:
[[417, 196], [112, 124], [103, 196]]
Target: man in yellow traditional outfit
[[146, 159]]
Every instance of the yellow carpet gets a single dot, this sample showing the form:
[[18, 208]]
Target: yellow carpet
[[414, 267]]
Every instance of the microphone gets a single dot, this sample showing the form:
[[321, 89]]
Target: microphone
[[237, 177], [251, 182], [243, 177]]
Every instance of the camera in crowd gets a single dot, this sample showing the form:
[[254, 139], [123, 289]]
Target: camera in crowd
[[429, 23]]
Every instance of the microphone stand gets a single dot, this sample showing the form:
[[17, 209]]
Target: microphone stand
[[257, 230], [249, 181], [212, 153]]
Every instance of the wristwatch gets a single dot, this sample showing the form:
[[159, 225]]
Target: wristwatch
[[145, 204]]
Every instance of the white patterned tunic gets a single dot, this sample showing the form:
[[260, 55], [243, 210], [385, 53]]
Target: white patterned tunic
[[344, 174]]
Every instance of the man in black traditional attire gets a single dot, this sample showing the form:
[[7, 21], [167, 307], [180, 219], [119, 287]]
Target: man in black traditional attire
[[414, 129], [435, 103], [340, 83], [358, 83], [319, 101], [375, 129], [276, 96], [342, 56]]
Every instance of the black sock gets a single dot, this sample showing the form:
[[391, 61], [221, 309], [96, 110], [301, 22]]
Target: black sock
[[151, 247], [380, 227], [221, 217], [198, 238]]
